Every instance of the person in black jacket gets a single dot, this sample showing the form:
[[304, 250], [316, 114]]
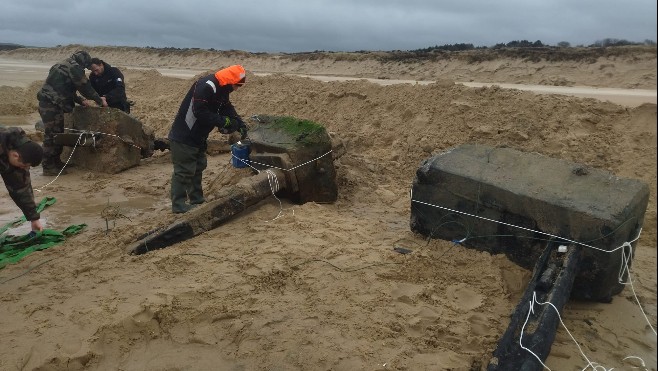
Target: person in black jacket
[[206, 106], [109, 83]]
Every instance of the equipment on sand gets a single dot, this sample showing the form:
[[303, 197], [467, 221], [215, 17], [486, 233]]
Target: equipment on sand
[[292, 158]]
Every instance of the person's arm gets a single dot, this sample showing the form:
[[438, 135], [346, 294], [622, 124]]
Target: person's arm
[[118, 93], [36, 225], [234, 123], [82, 84], [226, 120], [203, 94], [19, 186], [229, 110], [94, 86]]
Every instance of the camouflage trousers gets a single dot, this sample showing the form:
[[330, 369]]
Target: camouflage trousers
[[53, 122]]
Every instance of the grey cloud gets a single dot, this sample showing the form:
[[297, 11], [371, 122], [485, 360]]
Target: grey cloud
[[340, 25]]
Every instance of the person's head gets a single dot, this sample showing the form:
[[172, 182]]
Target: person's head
[[239, 83], [97, 67], [234, 75], [27, 154], [82, 58]]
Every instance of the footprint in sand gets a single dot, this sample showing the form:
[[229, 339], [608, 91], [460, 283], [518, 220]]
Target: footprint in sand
[[462, 297]]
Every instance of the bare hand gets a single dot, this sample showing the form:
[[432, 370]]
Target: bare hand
[[36, 225], [104, 101]]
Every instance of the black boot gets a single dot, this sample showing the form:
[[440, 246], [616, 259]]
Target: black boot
[[60, 164], [160, 144], [53, 167]]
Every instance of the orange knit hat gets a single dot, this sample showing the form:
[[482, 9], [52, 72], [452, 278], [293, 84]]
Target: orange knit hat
[[232, 75]]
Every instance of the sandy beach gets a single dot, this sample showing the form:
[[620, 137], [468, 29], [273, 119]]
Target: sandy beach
[[320, 287]]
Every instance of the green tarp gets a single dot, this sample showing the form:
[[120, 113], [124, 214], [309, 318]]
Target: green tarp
[[15, 248]]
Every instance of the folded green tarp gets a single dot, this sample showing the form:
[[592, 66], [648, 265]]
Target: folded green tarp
[[15, 248]]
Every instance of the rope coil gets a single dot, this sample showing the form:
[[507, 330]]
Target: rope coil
[[272, 178], [87, 135], [626, 250]]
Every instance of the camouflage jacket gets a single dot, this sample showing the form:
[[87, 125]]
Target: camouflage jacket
[[16, 180], [64, 79]]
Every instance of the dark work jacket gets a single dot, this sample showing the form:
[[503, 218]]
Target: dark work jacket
[[111, 85], [16, 180], [205, 107]]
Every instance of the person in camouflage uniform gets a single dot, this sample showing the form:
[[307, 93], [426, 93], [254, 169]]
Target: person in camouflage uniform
[[58, 96], [17, 154]]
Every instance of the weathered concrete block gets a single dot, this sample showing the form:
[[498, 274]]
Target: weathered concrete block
[[120, 142], [505, 201], [302, 149]]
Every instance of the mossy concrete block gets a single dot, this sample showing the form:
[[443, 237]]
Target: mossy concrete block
[[119, 143], [302, 149], [506, 201]]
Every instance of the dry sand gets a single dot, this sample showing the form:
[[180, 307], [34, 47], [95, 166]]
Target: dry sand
[[321, 288]]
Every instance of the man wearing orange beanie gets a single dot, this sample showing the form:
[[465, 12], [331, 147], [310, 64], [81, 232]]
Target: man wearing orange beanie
[[205, 107]]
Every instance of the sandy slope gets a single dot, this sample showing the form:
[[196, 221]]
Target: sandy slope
[[630, 68], [320, 288]]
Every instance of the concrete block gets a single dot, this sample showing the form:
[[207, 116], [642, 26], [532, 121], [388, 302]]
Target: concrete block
[[303, 149], [119, 143], [503, 200]]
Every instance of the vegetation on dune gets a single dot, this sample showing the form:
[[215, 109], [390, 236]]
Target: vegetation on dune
[[518, 49], [10, 46]]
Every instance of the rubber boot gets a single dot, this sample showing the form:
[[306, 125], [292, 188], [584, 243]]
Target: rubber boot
[[179, 195], [60, 164], [50, 167], [195, 191]]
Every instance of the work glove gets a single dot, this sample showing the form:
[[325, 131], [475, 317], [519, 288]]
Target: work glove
[[228, 125], [243, 131]]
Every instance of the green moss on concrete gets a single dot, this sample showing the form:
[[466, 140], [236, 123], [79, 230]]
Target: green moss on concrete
[[304, 131]]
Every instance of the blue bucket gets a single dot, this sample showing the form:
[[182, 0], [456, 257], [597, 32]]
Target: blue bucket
[[239, 151]]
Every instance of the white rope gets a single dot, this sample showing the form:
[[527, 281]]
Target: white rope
[[67, 161], [510, 225], [532, 310], [86, 134], [626, 256], [274, 187], [105, 134], [595, 366], [272, 178], [248, 162], [635, 357]]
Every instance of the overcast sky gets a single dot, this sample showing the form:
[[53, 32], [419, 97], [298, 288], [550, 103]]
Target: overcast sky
[[332, 25]]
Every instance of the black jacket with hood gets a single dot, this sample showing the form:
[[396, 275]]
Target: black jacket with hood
[[207, 106], [111, 85]]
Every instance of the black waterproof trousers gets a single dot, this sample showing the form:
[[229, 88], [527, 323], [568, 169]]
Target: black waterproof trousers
[[189, 163]]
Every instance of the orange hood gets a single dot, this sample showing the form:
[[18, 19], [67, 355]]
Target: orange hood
[[231, 75]]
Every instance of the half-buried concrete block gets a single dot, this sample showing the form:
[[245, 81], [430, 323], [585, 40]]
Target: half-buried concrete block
[[293, 159], [502, 200], [302, 149], [106, 140]]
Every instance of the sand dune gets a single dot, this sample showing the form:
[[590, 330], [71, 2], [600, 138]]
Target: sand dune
[[321, 288]]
